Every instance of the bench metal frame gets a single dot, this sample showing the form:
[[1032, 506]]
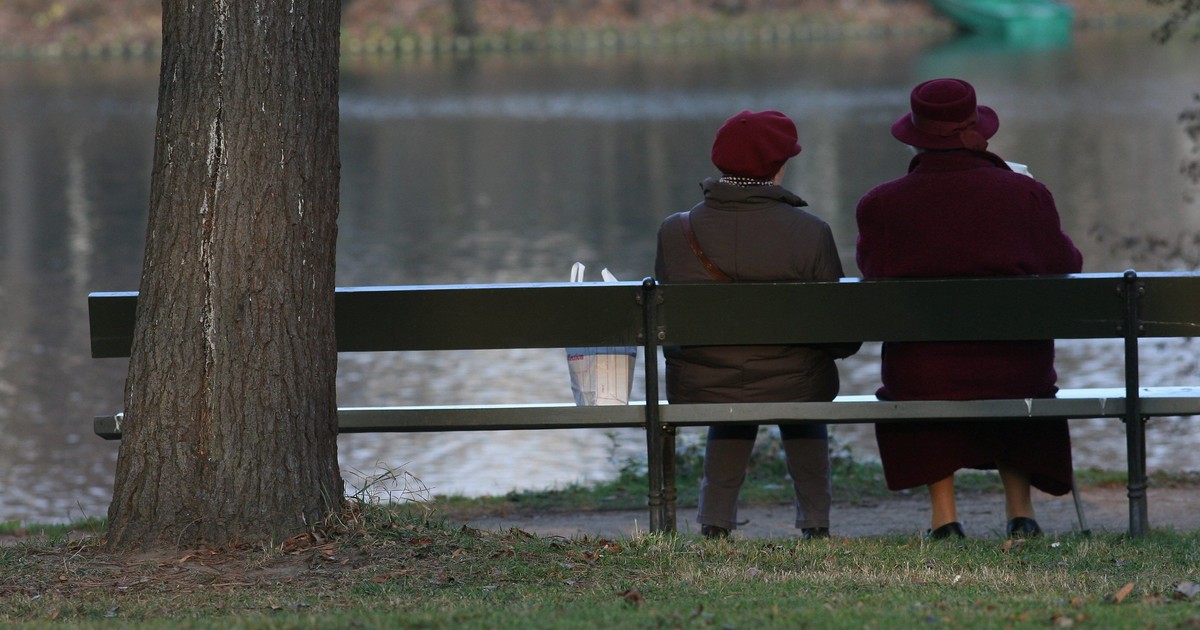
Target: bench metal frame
[[1125, 306]]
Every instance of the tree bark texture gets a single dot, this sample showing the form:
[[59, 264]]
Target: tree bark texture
[[230, 431]]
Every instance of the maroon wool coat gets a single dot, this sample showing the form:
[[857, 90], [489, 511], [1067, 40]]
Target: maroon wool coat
[[758, 234], [963, 213]]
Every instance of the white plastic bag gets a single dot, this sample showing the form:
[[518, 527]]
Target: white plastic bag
[[1019, 168], [600, 376]]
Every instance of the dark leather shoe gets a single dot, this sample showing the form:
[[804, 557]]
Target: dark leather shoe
[[1023, 527], [952, 529], [712, 531], [813, 533]]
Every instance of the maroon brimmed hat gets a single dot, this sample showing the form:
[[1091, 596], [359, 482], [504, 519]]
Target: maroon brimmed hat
[[755, 144], [945, 116]]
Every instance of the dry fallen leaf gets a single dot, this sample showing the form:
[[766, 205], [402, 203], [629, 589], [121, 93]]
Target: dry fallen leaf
[[1122, 593], [1012, 543], [631, 596]]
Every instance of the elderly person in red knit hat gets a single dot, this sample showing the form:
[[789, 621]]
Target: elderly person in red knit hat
[[962, 211], [749, 228]]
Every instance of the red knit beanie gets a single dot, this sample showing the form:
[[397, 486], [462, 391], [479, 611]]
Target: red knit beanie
[[755, 144]]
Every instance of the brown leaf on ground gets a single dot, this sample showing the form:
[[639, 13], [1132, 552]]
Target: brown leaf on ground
[[1011, 544], [298, 543], [632, 596], [1122, 593]]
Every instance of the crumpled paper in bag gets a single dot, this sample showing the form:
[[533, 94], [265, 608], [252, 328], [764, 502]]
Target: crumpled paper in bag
[[604, 375]]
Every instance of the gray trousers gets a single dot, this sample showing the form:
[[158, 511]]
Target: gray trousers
[[727, 454]]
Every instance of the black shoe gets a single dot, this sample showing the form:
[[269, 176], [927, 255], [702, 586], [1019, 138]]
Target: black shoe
[[813, 533], [712, 531], [1023, 527], [949, 530]]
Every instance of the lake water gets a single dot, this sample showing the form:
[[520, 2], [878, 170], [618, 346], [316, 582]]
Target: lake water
[[508, 169]]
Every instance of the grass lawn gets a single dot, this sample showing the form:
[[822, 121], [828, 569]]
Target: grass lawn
[[381, 569], [401, 565]]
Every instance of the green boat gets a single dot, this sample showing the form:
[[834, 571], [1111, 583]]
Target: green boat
[[1016, 19]]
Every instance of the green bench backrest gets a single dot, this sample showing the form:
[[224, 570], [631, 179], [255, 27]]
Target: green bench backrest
[[596, 314], [470, 317]]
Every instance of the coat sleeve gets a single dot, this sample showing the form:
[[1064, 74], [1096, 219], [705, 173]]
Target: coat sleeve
[[660, 262], [828, 264], [1055, 251], [829, 269], [870, 244]]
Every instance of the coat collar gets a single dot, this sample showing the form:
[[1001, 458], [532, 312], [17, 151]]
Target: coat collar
[[956, 160], [725, 194]]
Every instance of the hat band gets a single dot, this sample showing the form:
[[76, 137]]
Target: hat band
[[943, 128], [965, 131]]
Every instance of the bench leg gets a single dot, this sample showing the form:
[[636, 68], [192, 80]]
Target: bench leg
[[669, 491], [660, 451], [1135, 438], [1135, 422], [1083, 526], [654, 474]]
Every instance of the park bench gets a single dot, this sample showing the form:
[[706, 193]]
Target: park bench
[[1117, 306]]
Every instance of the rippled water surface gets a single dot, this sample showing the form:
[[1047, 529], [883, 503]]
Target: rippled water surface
[[508, 169]]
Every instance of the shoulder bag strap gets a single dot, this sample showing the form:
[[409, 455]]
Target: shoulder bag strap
[[715, 272]]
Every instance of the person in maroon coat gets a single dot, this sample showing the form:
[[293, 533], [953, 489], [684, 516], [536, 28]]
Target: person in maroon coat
[[963, 211], [749, 228]]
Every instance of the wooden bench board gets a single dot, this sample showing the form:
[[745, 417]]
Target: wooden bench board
[[991, 309], [386, 319], [556, 315], [1070, 403]]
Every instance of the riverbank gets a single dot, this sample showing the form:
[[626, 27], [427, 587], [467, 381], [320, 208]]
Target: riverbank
[[132, 28]]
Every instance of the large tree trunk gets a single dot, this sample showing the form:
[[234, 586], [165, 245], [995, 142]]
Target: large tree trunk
[[230, 431]]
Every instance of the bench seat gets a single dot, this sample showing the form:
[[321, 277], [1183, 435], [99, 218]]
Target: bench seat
[[1070, 403]]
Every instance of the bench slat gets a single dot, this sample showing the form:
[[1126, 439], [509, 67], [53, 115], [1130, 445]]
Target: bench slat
[[1170, 305], [376, 319], [975, 309], [1079, 403], [416, 419], [488, 418], [556, 315], [1070, 403]]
